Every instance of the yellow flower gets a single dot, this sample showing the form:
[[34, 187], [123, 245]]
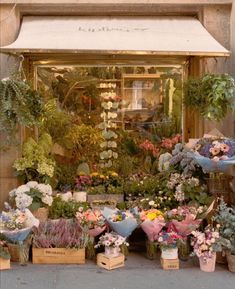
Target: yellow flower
[[102, 176], [95, 174], [151, 216]]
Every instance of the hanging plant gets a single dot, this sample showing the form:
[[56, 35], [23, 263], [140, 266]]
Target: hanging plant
[[212, 95], [19, 105]]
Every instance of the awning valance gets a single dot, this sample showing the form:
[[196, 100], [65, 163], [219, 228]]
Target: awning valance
[[119, 35]]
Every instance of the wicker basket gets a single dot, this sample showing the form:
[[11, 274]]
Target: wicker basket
[[231, 262], [19, 253]]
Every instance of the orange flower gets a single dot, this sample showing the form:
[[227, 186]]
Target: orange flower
[[214, 151]]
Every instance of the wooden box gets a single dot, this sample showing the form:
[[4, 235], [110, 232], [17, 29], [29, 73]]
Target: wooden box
[[58, 256], [5, 264], [110, 263], [168, 264]]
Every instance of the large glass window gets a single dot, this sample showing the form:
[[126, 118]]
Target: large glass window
[[148, 98]]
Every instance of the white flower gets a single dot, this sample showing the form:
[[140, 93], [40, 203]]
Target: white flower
[[32, 184], [151, 203], [22, 189], [47, 200], [23, 201], [12, 193], [45, 189]]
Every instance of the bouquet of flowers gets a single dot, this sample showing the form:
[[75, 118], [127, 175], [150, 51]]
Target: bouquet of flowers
[[185, 219], [168, 239], [206, 243], [215, 154], [32, 195], [122, 222], [16, 225], [91, 221], [152, 223], [111, 239]]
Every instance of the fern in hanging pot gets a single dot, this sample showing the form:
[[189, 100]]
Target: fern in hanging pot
[[211, 95], [19, 105]]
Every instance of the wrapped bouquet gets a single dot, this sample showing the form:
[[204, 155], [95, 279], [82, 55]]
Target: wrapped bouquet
[[122, 222]]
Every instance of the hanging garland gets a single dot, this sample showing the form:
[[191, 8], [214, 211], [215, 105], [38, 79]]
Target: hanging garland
[[110, 105]]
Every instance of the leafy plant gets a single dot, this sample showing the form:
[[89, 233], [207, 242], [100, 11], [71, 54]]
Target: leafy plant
[[212, 95], [19, 105], [225, 217], [36, 162], [67, 210]]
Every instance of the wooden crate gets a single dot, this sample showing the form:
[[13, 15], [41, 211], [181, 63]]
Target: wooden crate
[[168, 264], [58, 256], [5, 264], [110, 263]]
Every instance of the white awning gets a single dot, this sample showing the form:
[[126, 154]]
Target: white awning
[[158, 35]]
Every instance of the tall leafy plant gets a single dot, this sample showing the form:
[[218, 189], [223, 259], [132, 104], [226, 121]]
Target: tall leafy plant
[[19, 105], [212, 95]]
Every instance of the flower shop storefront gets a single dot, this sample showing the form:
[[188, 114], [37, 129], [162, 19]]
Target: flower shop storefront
[[104, 161]]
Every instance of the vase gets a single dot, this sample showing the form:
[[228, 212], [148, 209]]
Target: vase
[[112, 251], [170, 254], [80, 196], [151, 250], [231, 261], [208, 264]]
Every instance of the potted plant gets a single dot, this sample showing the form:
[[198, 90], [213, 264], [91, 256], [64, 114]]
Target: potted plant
[[225, 218], [112, 242], [34, 196], [36, 163], [168, 242], [59, 243], [4, 256], [211, 95], [20, 105], [65, 209], [82, 183], [205, 245]]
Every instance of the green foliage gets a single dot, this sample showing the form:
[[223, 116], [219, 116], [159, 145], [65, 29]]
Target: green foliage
[[84, 141], [63, 209], [36, 163], [212, 95], [19, 105], [225, 217]]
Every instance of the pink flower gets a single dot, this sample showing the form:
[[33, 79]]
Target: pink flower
[[224, 148]]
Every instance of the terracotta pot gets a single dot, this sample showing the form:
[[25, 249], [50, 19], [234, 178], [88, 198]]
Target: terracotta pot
[[231, 261], [41, 214], [208, 265], [112, 251], [169, 254]]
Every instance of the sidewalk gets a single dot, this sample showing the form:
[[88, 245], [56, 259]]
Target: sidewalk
[[138, 273]]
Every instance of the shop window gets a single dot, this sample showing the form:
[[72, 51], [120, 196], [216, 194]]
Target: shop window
[[149, 97]]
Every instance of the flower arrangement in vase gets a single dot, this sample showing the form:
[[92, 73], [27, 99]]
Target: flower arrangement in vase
[[168, 242], [205, 245], [112, 242]]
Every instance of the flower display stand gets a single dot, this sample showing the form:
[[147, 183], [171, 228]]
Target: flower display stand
[[58, 256], [4, 264], [110, 263], [170, 264]]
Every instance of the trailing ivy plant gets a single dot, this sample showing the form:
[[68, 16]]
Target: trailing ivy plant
[[19, 105], [212, 95]]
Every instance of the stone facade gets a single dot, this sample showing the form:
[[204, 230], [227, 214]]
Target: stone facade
[[217, 16]]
